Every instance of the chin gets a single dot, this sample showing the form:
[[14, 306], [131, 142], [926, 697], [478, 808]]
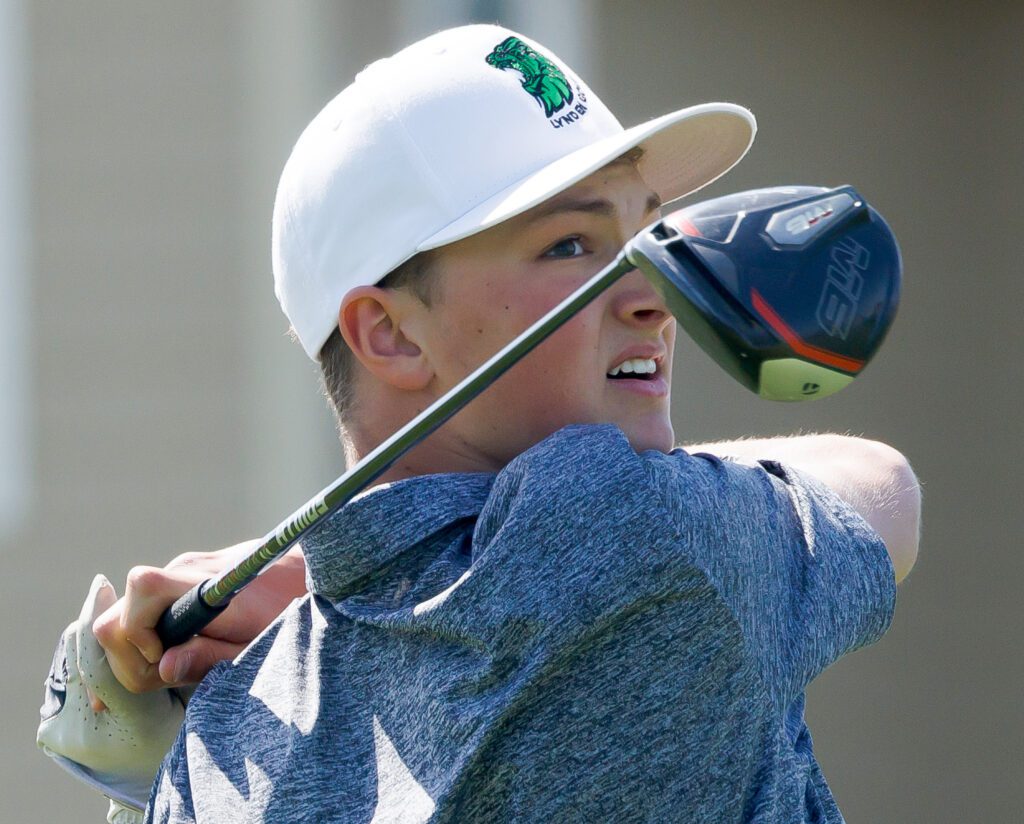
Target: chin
[[644, 436]]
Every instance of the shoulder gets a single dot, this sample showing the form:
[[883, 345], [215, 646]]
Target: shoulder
[[578, 469], [582, 486], [576, 461], [587, 477], [698, 488], [587, 481], [575, 448], [593, 466]]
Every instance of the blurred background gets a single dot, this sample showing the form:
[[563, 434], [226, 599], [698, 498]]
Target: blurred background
[[152, 402]]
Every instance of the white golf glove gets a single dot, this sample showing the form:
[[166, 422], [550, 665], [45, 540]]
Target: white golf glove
[[117, 751]]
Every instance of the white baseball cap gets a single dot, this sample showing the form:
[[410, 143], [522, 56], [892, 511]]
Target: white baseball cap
[[450, 136]]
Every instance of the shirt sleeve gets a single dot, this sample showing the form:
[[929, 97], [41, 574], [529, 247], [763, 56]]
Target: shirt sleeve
[[805, 575]]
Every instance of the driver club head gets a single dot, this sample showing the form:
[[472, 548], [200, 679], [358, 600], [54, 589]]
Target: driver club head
[[790, 289]]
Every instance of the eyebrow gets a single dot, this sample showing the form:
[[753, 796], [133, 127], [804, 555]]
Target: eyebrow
[[594, 206]]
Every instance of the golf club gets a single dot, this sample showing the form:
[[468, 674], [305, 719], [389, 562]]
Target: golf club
[[790, 289]]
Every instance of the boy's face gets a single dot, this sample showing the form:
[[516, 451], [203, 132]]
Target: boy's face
[[495, 284]]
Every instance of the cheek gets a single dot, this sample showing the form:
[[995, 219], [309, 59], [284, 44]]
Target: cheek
[[499, 312], [559, 377]]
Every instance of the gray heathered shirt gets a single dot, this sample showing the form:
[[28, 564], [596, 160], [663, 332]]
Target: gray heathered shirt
[[591, 635]]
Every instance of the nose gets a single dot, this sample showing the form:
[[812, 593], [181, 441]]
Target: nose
[[637, 304]]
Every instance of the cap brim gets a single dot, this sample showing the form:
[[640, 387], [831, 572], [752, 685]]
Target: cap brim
[[683, 152]]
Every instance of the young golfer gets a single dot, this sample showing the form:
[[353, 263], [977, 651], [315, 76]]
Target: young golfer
[[544, 612]]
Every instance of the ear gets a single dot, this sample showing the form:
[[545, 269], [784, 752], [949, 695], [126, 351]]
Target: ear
[[373, 323]]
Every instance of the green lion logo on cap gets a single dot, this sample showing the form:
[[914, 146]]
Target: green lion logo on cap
[[541, 78]]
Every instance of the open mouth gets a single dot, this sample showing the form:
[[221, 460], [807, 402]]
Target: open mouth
[[642, 369]]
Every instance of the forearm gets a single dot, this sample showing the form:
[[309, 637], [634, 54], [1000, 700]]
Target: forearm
[[873, 478]]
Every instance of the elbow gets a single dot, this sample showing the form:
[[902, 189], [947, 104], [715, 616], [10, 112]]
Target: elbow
[[897, 514]]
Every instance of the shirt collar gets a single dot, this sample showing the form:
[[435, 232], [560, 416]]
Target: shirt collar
[[385, 521]]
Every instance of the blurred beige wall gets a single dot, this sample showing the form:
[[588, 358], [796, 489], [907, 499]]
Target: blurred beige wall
[[170, 411]]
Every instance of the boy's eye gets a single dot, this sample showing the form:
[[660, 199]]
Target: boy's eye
[[567, 248]]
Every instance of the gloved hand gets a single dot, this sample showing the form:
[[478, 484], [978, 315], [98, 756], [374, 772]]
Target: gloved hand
[[118, 749]]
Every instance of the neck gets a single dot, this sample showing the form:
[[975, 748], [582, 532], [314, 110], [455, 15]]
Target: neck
[[429, 457], [440, 452]]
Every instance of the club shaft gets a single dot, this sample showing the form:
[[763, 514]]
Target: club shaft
[[195, 609]]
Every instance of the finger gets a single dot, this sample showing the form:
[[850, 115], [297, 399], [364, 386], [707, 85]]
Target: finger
[[189, 663], [105, 685], [126, 663], [148, 592]]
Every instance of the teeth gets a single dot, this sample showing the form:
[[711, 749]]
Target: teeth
[[637, 366]]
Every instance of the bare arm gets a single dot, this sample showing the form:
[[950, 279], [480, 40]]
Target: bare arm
[[873, 478]]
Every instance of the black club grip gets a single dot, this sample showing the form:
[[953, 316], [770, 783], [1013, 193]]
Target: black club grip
[[186, 617]]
